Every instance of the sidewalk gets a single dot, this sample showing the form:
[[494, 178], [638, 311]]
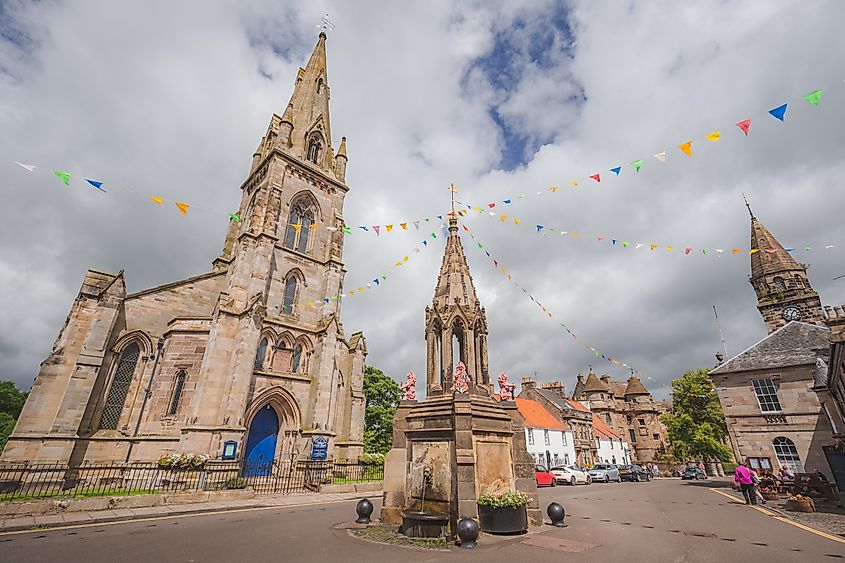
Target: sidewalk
[[123, 514]]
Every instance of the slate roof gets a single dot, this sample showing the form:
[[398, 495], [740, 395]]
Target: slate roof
[[793, 344], [536, 415], [593, 384], [554, 399], [635, 387], [605, 431]]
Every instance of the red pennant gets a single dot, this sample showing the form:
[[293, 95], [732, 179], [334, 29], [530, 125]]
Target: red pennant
[[596, 177], [745, 126], [491, 205], [687, 250]]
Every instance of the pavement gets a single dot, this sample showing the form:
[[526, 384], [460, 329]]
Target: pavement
[[665, 520]]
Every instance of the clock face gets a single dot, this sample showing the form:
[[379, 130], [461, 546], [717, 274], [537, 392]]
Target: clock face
[[791, 314]]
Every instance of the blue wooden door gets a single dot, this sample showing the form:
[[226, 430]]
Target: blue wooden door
[[261, 443]]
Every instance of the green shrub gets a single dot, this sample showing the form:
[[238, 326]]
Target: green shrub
[[510, 499], [235, 483]]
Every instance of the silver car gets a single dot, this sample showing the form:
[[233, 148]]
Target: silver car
[[605, 472]]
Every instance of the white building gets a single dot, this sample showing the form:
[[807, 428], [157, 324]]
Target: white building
[[610, 445], [548, 440]]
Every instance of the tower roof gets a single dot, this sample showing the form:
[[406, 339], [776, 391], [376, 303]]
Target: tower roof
[[593, 384], [454, 285], [765, 262], [635, 387], [310, 99]]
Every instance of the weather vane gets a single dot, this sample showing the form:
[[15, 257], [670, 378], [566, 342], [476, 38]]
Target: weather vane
[[325, 24]]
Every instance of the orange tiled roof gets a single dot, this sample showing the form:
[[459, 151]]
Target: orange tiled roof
[[600, 427], [536, 415], [577, 406]]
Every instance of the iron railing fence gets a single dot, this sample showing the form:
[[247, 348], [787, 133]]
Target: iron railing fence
[[28, 480]]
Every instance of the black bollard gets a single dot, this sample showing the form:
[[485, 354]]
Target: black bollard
[[364, 508], [557, 515], [468, 532]]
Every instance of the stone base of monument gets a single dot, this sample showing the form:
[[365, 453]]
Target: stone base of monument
[[424, 524]]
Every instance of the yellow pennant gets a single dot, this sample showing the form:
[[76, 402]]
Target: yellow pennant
[[574, 183], [686, 148], [389, 228], [404, 226], [399, 263], [713, 137], [553, 189], [296, 227], [183, 207], [574, 234], [503, 217], [753, 250], [653, 246], [351, 292], [453, 189], [308, 304], [360, 289], [158, 200], [313, 226], [509, 277], [736, 251], [669, 248]]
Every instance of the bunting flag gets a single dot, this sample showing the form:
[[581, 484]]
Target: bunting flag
[[64, 177], [661, 156], [779, 112], [596, 177], [96, 184], [453, 189], [183, 207], [296, 227], [814, 97], [636, 164], [29, 167], [388, 227], [713, 137], [616, 170], [158, 200], [236, 217], [686, 148], [376, 229], [745, 126]]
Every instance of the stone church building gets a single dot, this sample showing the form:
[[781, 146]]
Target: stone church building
[[236, 356], [775, 394]]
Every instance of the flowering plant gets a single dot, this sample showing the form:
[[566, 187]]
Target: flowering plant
[[183, 461], [508, 499]]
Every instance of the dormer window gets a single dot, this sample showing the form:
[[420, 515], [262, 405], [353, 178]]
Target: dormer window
[[315, 147]]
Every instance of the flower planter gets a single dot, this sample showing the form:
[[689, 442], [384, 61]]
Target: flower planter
[[770, 495], [804, 505], [503, 520]]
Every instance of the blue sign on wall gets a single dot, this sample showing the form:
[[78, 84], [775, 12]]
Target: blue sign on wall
[[230, 449], [320, 448]]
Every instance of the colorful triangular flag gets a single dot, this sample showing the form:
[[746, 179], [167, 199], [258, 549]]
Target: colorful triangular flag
[[376, 228], [616, 170], [596, 177], [745, 126], [29, 167], [183, 207], [779, 112], [636, 164], [661, 156], [714, 136], [814, 97], [96, 184], [64, 177], [686, 148], [158, 200], [236, 217]]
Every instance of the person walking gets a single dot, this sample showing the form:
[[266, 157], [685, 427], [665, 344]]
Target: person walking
[[656, 471], [742, 476]]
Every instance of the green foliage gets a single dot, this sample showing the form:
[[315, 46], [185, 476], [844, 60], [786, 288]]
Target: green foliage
[[509, 499], [374, 458], [696, 425], [235, 483], [11, 404], [382, 396]]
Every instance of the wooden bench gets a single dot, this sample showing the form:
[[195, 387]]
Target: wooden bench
[[812, 484]]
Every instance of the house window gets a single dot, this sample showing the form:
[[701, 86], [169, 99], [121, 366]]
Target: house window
[[530, 432], [767, 395], [787, 454], [563, 437], [641, 421], [297, 358], [119, 386], [177, 392], [261, 354], [299, 225], [655, 436], [633, 435], [546, 437], [759, 463], [629, 419], [643, 432], [290, 295]]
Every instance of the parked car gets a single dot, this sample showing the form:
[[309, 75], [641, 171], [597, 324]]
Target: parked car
[[544, 478], [571, 474], [605, 472], [633, 473], [693, 473]]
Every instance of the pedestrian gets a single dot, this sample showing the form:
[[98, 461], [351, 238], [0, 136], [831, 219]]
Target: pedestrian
[[756, 480], [656, 471], [701, 465], [742, 476]]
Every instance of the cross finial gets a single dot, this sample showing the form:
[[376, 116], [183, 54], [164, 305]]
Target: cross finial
[[748, 206], [325, 24]]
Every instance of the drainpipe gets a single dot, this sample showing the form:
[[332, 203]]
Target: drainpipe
[[147, 393]]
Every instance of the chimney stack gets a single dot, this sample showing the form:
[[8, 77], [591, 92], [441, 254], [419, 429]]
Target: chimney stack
[[528, 383]]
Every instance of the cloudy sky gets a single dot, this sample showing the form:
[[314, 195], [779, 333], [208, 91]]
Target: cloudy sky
[[500, 98]]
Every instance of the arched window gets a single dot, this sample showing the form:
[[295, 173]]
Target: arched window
[[261, 354], [178, 386], [299, 225], [780, 285], [315, 147], [319, 85], [290, 295], [119, 386], [787, 454], [297, 358]]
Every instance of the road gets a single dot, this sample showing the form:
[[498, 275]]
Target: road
[[666, 520]]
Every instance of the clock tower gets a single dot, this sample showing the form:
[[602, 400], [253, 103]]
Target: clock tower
[[783, 289]]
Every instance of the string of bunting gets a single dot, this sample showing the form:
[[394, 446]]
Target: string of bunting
[[778, 113], [542, 230]]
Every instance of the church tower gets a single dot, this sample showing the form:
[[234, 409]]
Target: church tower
[[455, 322], [783, 289]]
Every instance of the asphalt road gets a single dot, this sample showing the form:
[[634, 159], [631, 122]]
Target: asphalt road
[[667, 520]]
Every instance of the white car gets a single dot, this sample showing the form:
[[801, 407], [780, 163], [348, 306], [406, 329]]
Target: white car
[[571, 474]]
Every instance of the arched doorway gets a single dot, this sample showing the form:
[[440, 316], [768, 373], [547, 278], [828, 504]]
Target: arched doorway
[[261, 442]]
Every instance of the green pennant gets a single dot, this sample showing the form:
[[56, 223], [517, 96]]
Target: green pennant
[[64, 177], [626, 243], [347, 230], [814, 97], [637, 164], [236, 217]]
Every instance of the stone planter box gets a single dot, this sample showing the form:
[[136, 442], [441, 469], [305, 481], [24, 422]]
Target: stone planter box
[[770, 495], [800, 505], [503, 520]]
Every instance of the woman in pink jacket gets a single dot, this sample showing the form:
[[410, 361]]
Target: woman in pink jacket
[[742, 476]]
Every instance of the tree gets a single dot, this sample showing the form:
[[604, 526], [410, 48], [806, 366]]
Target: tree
[[382, 395], [11, 404], [696, 425]]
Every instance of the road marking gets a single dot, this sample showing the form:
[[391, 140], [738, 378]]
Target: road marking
[[171, 516], [782, 519]]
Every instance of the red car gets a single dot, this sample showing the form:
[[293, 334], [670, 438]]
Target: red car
[[544, 477]]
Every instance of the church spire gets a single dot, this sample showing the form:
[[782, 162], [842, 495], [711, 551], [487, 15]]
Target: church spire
[[310, 103]]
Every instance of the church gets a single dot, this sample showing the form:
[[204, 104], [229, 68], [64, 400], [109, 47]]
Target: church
[[237, 362]]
